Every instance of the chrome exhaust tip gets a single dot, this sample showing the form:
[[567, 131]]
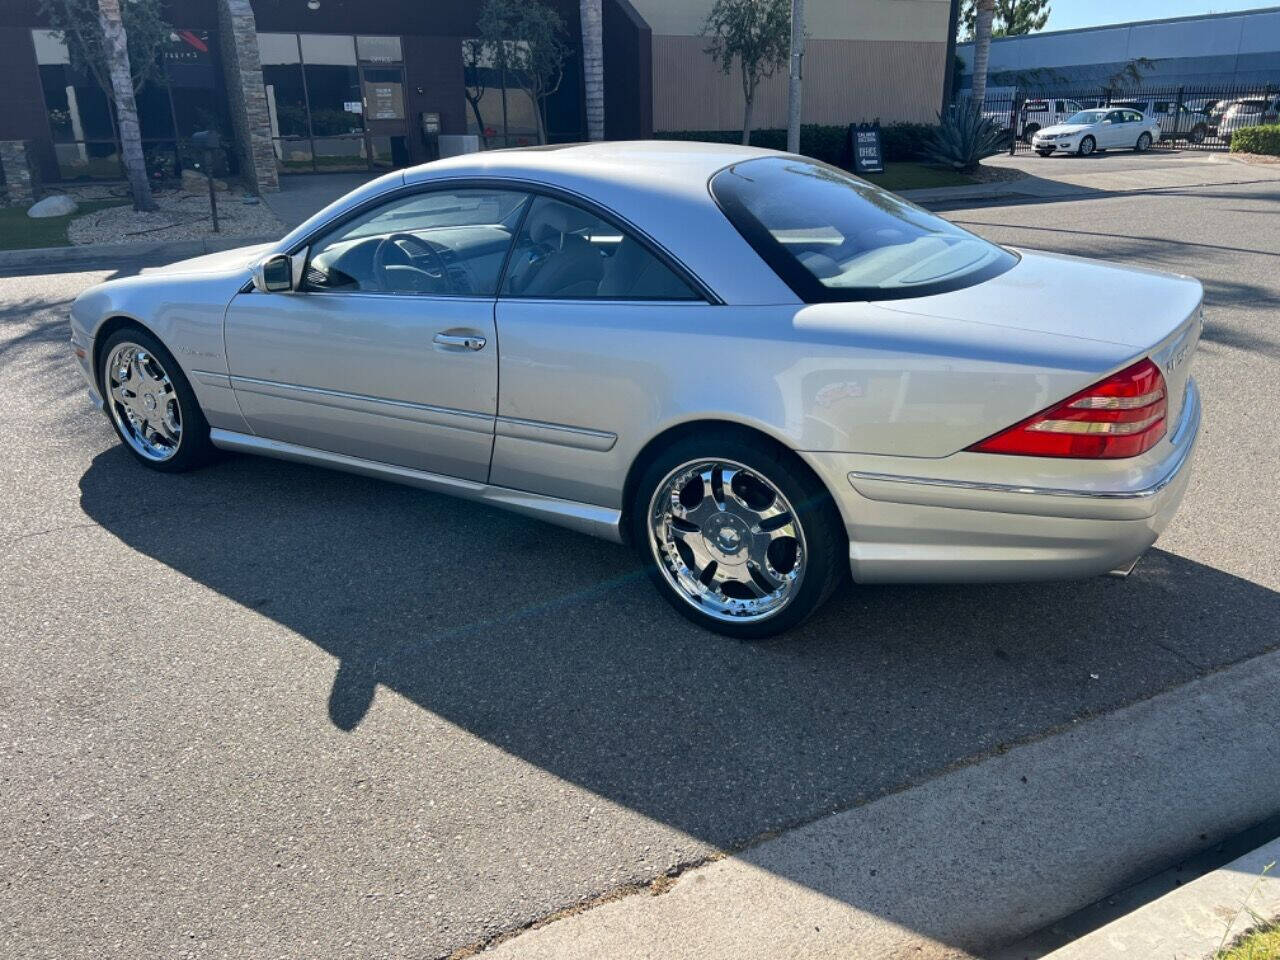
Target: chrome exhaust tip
[[1123, 571]]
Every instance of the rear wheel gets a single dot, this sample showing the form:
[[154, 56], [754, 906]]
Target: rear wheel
[[738, 535], [1143, 144], [151, 404], [1087, 146]]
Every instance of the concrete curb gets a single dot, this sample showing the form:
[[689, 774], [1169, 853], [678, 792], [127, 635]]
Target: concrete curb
[[94, 252], [976, 858], [1193, 921]]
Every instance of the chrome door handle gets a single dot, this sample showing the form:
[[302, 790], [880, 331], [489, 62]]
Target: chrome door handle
[[454, 340]]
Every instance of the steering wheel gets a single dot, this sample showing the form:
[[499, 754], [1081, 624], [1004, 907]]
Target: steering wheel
[[435, 271]]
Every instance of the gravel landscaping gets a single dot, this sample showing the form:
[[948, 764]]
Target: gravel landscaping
[[182, 216]]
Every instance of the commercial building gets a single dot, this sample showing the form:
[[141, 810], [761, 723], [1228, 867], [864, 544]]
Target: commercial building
[[300, 86], [1227, 49]]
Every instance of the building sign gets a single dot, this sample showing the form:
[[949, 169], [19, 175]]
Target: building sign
[[864, 146], [386, 100]]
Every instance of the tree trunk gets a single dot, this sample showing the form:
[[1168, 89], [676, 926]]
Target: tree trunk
[[116, 45], [981, 50], [795, 86], [746, 118], [593, 66]]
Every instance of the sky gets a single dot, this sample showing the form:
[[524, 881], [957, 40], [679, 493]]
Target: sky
[[1068, 14]]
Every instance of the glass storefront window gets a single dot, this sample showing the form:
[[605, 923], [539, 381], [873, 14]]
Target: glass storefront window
[[81, 119], [379, 49], [331, 107], [499, 111], [282, 80]]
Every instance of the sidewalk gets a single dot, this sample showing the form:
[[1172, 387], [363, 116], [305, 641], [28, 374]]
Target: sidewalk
[[975, 858], [1072, 178]]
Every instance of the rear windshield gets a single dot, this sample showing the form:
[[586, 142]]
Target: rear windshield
[[831, 236]]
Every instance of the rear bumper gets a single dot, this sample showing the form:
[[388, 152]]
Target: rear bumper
[[907, 526]]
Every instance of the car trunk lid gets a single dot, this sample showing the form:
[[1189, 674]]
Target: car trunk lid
[[1149, 312]]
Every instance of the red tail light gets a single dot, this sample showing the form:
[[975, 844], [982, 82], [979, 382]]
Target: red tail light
[[1121, 416]]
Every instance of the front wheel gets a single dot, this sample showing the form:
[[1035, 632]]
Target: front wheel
[[738, 535], [1143, 144], [151, 404], [1087, 146]]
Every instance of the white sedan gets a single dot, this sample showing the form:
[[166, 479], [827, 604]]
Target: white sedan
[[1101, 129]]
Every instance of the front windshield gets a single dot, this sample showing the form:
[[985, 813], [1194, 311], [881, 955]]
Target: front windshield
[[1087, 116], [831, 236]]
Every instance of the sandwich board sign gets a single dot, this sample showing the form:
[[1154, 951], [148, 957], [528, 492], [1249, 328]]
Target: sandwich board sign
[[864, 144]]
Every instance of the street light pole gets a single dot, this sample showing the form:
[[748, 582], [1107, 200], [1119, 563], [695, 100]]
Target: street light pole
[[795, 85]]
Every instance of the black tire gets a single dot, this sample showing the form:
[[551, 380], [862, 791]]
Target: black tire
[[1084, 151], [194, 449], [827, 553], [1143, 144], [1198, 134]]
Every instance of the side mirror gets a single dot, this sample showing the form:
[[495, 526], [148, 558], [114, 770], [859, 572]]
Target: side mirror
[[274, 274]]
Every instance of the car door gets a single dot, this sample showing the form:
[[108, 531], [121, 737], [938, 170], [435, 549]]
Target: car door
[[386, 350], [1112, 131], [588, 314]]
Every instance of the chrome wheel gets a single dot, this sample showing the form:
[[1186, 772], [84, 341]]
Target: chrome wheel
[[143, 401], [727, 540]]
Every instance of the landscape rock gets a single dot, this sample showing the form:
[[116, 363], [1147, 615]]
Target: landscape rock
[[193, 181], [58, 205]]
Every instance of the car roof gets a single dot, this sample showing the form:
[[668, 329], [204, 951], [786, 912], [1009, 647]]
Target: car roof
[[660, 187]]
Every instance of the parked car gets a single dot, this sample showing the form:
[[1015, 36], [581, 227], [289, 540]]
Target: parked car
[[760, 370], [1037, 114], [1090, 130], [1248, 112], [1176, 122]]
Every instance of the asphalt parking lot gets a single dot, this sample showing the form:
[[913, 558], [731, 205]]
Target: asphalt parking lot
[[267, 710]]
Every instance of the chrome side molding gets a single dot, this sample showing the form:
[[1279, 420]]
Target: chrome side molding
[[588, 518]]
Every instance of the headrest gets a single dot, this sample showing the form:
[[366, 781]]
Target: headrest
[[553, 219]]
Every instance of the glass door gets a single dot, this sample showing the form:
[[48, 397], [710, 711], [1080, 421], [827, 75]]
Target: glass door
[[386, 121]]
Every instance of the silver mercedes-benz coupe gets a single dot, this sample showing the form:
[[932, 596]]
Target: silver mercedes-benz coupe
[[759, 370]]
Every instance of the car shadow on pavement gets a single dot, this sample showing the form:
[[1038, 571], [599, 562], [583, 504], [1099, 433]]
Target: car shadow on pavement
[[553, 646]]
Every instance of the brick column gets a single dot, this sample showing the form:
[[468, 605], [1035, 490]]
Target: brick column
[[246, 95], [21, 175]]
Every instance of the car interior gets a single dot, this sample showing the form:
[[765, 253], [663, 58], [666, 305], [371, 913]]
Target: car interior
[[457, 245]]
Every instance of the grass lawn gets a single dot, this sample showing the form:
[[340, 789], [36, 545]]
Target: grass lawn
[[20, 232], [915, 176], [1262, 943]]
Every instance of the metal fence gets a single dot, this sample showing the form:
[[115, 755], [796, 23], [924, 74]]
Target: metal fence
[[1189, 117]]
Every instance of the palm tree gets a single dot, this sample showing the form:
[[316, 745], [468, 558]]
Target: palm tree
[[593, 66], [116, 47], [981, 50]]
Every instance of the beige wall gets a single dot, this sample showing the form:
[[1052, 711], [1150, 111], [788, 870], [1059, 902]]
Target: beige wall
[[918, 20], [845, 81]]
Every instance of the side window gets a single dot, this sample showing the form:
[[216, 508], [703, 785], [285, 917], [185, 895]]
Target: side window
[[1115, 116], [567, 253], [437, 243]]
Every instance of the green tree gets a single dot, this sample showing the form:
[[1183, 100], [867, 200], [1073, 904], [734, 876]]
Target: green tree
[[529, 45], [756, 36], [120, 45], [1013, 18], [981, 49]]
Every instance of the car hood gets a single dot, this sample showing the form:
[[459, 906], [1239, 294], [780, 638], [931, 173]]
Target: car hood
[[1071, 297], [1062, 129], [238, 258]]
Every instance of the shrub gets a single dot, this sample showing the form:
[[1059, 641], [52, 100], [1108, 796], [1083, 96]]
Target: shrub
[[826, 142], [963, 137], [1264, 139]]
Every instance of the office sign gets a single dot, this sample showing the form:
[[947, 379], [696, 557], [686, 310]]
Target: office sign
[[864, 146]]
